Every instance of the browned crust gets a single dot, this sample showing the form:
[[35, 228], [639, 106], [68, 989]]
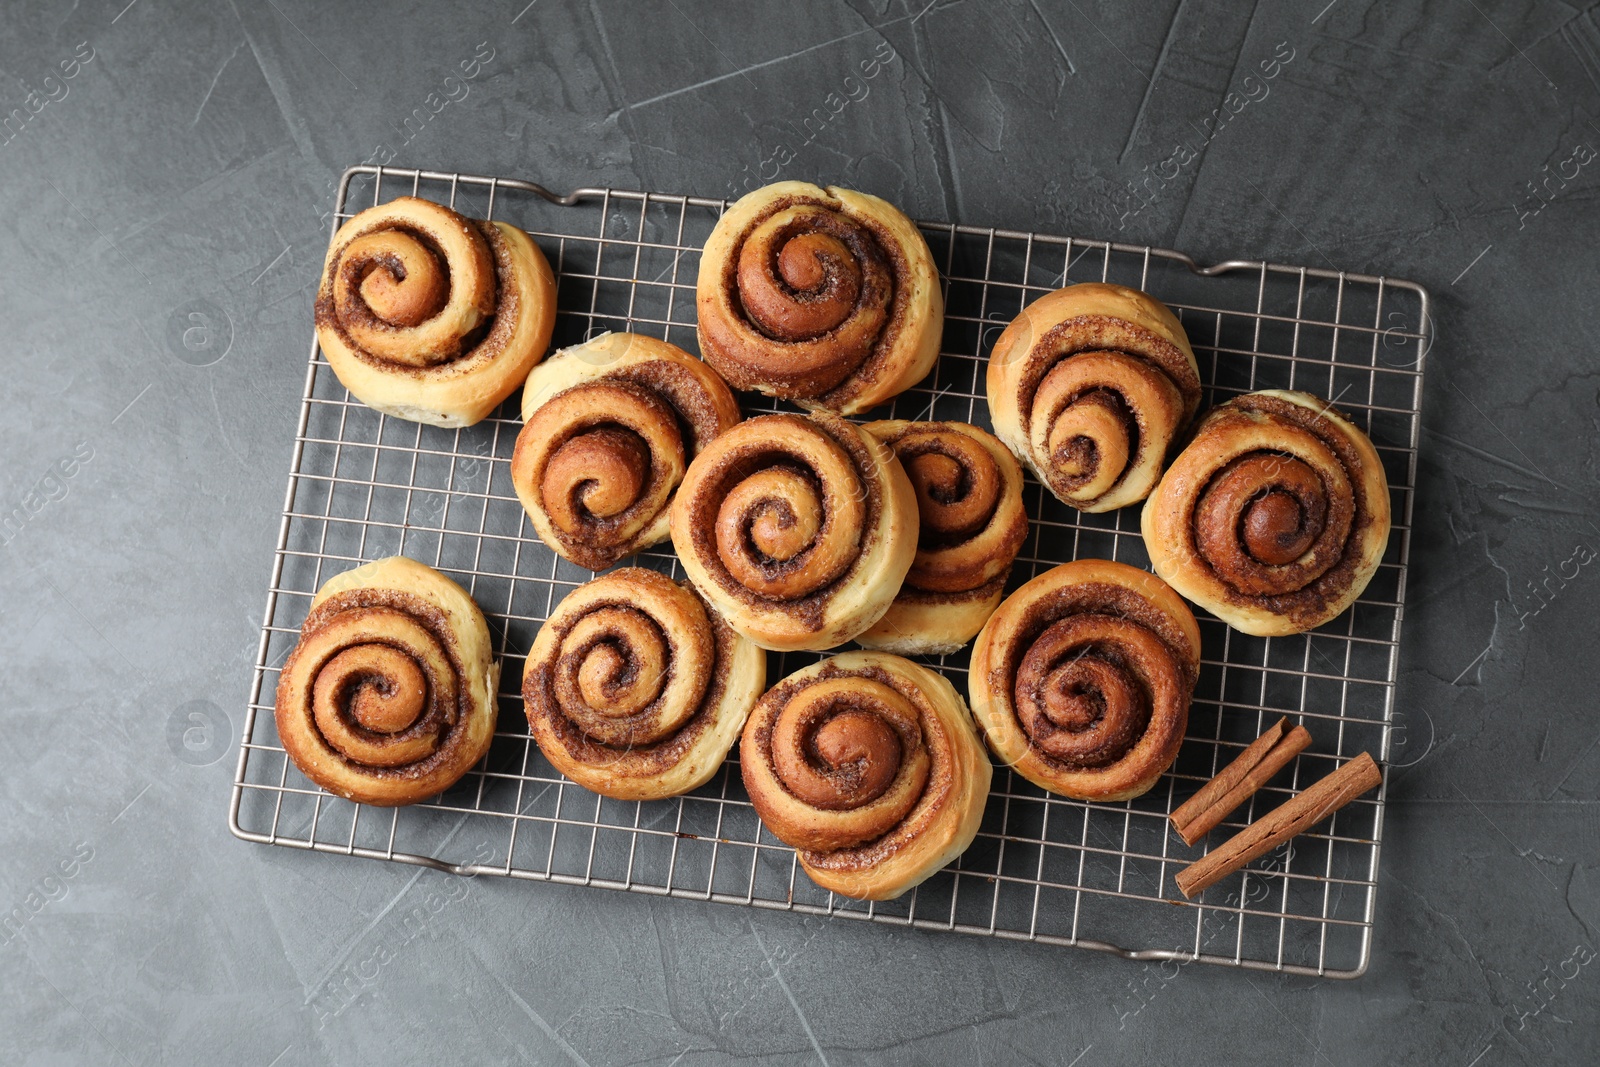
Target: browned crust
[[1307, 606], [296, 741], [561, 740], [855, 597], [939, 826], [1095, 318], [489, 360], [1091, 333], [727, 355], [851, 385], [1009, 512], [601, 542], [752, 453], [1084, 587], [688, 392], [1101, 598], [1170, 524], [484, 345]]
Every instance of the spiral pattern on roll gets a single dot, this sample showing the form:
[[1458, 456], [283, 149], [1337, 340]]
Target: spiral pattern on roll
[[610, 426], [797, 529], [634, 691], [1089, 386], [383, 700], [412, 285], [806, 272], [828, 297], [973, 523], [851, 750], [1081, 680], [1088, 685], [431, 316], [384, 693], [867, 764], [1275, 515]]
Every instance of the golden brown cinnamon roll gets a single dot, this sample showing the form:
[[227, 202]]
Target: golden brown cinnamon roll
[[429, 316], [389, 696], [1274, 517], [1089, 386], [634, 691], [823, 296], [797, 529], [868, 765], [610, 426], [969, 498], [1081, 680]]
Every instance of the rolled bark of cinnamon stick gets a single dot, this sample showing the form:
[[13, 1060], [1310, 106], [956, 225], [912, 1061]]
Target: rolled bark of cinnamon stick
[[1289, 819], [1239, 780]]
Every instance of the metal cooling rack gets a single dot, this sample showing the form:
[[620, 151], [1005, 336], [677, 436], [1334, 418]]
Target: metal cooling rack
[[1043, 868]]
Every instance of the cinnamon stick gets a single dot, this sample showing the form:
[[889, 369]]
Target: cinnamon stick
[[1289, 819], [1239, 780]]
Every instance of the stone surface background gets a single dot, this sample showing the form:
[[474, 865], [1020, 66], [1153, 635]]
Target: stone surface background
[[192, 156]]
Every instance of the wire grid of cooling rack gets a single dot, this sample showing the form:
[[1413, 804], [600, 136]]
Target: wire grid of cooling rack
[[1043, 868]]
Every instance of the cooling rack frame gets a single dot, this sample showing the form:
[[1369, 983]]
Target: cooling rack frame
[[1045, 868]]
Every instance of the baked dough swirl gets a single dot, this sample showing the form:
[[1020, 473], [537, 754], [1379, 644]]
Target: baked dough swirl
[[869, 766], [634, 691], [430, 316], [797, 529], [1081, 680], [969, 498], [389, 696], [1274, 517], [1089, 386], [827, 297], [609, 428]]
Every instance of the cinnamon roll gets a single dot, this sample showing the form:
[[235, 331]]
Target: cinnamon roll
[[868, 765], [609, 428], [1089, 386], [429, 316], [969, 498], [1081, 680], [827, 297], [1274, 517], [797, 529], [634, 691], [389, 696]]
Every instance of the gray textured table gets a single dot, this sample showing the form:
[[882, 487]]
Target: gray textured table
[[158, 158]]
